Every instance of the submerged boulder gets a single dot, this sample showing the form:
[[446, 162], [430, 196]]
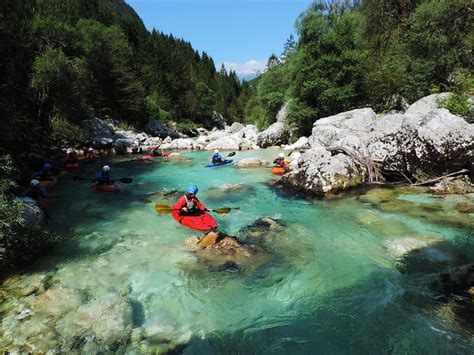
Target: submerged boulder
[[216, 249], [451, 185]]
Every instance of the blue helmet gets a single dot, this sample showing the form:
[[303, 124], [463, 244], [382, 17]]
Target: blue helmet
[[193, 189], [47, 166]]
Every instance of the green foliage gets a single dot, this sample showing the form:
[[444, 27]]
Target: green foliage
[[19, 242], [65, 132], [459, 104], [126, 126]]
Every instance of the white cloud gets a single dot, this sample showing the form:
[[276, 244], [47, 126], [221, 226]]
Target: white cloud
[[251, 67]]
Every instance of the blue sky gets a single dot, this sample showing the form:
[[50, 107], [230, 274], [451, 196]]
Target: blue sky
[[242, 34]]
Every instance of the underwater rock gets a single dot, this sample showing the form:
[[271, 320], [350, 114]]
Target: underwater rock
[[465, 207], [227, 266], [55, 301], [458, 281], [107, 322], [217, 249], [458, 185], [401, 246]]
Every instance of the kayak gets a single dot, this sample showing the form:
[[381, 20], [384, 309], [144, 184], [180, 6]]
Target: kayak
[[202, 222], [155, 156], [48, 184], [71, 165], [218, 164], [46, 202], [278, 170], [106, 188]]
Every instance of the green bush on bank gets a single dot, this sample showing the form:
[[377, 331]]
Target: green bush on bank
[[19, 242]]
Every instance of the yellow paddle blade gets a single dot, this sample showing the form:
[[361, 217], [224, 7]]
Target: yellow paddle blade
[[163, 209], [222, 210]]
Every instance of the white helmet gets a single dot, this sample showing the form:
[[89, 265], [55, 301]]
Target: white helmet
[[106, 168], [34, 182], [69, 151], [91, 149], [281, 155], [216, 151]]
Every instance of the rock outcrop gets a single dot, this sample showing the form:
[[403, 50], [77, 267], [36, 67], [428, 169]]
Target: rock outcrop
[[157, 129], [355, 146], [276, 134]]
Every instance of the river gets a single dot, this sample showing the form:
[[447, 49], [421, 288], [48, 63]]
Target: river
[[344, 275]]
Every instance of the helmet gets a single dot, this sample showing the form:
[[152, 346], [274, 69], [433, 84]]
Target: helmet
[[281, 155], [193, 189], [91, 149], [47, 166], [216, 151], [68, 151], [106, 168], [34, 182]]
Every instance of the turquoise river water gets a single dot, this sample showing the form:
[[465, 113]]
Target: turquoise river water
[[342, 276]]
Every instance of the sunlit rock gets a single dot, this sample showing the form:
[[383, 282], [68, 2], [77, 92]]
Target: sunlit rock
[[250, 162], [402, 246], [107, 322]]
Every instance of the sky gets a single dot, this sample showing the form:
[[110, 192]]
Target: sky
[[242, 34]]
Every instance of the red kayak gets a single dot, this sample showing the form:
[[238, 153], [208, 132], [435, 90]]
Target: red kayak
[[202, 222], [48, 184], [155, 156], [278, 170], [71, 165], [106, 188], [46, 202]]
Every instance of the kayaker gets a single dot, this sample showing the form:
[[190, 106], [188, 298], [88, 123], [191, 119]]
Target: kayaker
[[71, 157], [91, 154], [216, 158], [156, 152], [44, 174], [34, 191], [280, 161], [189, 203], [103, 177]]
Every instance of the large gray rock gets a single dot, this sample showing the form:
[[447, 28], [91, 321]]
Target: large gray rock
[[96, 127], [282, 113], [301, 143], [157, 129], [250, 163], [32, 215], [276, 134], [218, 121], [102, 143], [236, 127], [431, 142], [225, 143], [321, 174], [122, 145], [427, 104], [185, 144]]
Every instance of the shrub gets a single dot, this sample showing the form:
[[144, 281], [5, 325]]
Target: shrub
[[19, 242]]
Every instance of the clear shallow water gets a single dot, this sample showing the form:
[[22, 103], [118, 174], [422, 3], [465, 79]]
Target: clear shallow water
[[335, 279]]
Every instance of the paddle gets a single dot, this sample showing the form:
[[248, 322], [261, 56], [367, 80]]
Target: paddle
[[167, 209], [122, 180], [231, 154]]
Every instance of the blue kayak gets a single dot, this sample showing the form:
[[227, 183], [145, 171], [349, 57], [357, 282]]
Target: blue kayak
[[217, 164]]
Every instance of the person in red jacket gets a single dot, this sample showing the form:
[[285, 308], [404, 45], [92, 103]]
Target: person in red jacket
[[189, 203]]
